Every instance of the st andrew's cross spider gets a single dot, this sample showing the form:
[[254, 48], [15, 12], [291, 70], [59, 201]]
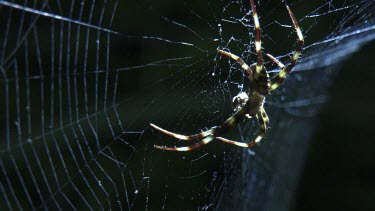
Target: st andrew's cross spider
[[248, 104]]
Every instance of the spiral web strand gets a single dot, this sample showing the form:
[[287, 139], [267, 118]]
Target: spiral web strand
[[80, 81]]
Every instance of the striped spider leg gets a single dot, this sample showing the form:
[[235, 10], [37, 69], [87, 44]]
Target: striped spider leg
[[279, 78], [246, 104]]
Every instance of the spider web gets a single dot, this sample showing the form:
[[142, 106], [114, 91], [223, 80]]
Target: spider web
[[82, 80]]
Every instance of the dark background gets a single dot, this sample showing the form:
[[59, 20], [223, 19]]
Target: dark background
[[339, 170]]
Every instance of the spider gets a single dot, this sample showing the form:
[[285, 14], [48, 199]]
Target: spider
[[246, 104]]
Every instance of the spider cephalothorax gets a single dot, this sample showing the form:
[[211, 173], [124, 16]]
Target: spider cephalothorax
[[246, 104]]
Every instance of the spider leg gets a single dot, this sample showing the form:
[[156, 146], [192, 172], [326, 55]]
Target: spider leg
[[279, 78], [183, 137], [261, 76], [188, 148], [281, 65], [263, 122], [258, 42], [239, 61], [265, 119]]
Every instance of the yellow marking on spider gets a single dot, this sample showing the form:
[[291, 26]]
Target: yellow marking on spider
[[181, 149], [299, 33], [245, 66], [207, 133], [231, 120], [233, 56], [258, 139], [256, 21], [258, 45], [282, 74], [274, 86], [296, 55], [228, 54], [233, 142], [175, 135], [188, 148], [258, 69]]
